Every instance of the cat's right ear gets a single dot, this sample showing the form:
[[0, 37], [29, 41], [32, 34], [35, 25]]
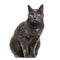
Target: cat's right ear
[[30, 9], [41, 8]]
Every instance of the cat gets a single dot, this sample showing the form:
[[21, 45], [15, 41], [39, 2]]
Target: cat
[[26, 39]]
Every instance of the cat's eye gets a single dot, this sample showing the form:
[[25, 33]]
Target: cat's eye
[[30, 15], [38, 14]]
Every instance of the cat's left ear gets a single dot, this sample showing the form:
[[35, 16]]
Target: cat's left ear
[[29, 8], [41, 8]]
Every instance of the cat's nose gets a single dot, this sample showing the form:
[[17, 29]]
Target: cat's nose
[[34, 17]]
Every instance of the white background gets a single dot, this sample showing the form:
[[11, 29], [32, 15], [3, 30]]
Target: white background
[[13, 12]]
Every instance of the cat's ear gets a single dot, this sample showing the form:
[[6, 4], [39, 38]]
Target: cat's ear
[[29, 8], [41, 8]]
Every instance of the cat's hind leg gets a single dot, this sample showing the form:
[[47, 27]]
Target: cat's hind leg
[[16, 48]]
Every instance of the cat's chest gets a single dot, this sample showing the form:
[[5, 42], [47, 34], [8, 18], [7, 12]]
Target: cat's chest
[[32, 32], [35, 32]]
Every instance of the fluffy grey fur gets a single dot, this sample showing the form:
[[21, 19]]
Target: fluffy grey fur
[[26, 39]]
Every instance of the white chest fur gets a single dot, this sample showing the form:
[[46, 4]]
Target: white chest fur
[[37, 30]]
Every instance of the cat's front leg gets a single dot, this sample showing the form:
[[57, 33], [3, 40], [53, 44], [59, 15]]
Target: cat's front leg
[[24, 45], [34, 48], [25, 51], [32, 52]]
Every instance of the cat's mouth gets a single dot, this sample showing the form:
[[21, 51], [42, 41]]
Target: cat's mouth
[[35, 21]]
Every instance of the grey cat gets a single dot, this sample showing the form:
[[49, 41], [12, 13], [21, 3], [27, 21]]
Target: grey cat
[[26, 39]]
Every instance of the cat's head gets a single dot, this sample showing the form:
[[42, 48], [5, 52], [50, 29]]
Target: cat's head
[[35, 15]]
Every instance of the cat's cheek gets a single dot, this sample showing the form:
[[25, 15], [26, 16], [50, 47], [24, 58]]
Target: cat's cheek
[[30, 17]]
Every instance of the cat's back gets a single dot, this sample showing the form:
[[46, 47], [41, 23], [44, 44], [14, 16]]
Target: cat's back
[[20, 28]]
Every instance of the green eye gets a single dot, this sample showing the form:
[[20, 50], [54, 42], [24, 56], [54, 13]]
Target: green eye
[[38, 14], [31, 15]]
